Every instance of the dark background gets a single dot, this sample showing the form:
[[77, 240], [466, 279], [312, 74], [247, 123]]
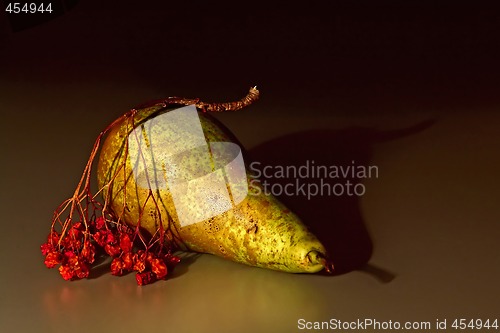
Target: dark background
[[351, 55]]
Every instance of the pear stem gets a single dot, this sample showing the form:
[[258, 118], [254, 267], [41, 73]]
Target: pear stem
[[252, 96]]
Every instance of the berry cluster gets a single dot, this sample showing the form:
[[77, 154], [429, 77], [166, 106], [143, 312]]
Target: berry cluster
[[75, 248]]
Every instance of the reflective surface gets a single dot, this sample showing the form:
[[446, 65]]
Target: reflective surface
[[431, 215]]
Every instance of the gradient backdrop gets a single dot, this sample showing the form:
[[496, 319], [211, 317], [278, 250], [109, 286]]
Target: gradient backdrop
[[412, 89]]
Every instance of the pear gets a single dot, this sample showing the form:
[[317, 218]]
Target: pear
[[145, 165]]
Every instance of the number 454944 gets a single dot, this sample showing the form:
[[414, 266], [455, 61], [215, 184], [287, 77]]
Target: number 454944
[[475, 324], [28, 8]]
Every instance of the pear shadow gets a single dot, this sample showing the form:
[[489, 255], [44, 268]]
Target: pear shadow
[[335, 219]]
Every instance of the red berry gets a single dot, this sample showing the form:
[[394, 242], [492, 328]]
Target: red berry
[[46, 248], [100, 223], [112, 250], [66, 272], [110, 238], [117, 267], [52, 259], [82, 271], [88, 252], [145, 278], [125, 242], [159, 268], [128, 261]]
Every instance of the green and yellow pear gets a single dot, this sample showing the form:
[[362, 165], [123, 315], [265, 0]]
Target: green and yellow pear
[[158, 173]]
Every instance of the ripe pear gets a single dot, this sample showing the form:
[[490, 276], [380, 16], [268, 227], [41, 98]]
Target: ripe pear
[[256, 230]]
